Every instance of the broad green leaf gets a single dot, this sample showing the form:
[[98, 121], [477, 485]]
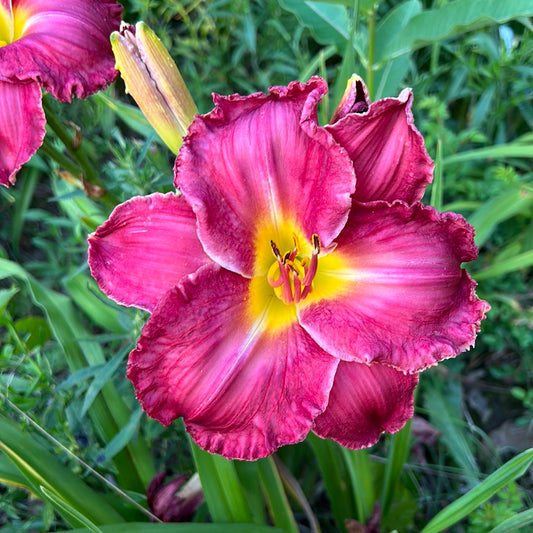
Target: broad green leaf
[[41, 469], [328, 23], [184, 528], [87, 295], [399, 448], [67, 510], [361, 476], [490, 214], [278, 505], [11, 475], [498, 268], [333, 469], [502, 151], [461, 507], [453, 18], [393, 24], [5, 297], [221, 486]]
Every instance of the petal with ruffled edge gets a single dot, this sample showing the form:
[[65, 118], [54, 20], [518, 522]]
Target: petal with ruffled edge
[[22, 130], [388, 152], [242, 389], [406, 302], [63, 45], [145, 247], [365, 401], [263, 157]]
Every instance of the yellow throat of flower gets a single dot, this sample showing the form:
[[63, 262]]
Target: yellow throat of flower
[[290, 271], [12, 22]]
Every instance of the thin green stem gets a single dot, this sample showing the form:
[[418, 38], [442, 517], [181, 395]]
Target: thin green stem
[[371, 52]]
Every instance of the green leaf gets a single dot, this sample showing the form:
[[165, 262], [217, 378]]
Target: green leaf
[[452, 19], [184, 528], [87, 295], [514, 522], [108, 412], [445, 414], [278, 505], [328, 23], [222, 489], [41, 469], [498, 268], [335, 477], [461, 507], [504, 206], [5, 297]]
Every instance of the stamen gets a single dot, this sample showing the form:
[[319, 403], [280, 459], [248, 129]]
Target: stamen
[[296, 274]]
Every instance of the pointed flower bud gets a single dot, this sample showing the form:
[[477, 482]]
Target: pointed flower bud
[[154, 81]]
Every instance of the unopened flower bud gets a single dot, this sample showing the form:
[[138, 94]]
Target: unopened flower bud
[[154, 81]]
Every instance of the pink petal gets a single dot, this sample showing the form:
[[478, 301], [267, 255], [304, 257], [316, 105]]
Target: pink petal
[[21, 127], [64, 45], [388, 153], [365, 401], [259, 160], [145, 247], [407, 303], [242, 389]]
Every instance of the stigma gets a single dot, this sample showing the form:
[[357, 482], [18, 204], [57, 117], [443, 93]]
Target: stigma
[[291, 275]]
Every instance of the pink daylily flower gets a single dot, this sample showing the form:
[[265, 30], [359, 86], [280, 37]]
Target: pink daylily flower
[[61, 47], [282, 300]]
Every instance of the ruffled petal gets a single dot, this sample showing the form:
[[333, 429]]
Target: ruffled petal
[[388, 152], [365, 401], [145, 247], [262, 160], [242, 389], [406, 301], [22, 130], [63, 45]]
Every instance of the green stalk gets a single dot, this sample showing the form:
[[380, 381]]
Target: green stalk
[[277, 501], [335, 477], [359, 469], [222, 489], [396, 458]]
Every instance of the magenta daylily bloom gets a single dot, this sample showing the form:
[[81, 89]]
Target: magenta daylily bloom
[[60, 46], [283, 301]]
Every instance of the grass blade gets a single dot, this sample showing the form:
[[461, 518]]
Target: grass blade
[[460, 508]]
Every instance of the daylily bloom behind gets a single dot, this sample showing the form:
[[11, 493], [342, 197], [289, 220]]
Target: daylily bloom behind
[[154, 81], [290, 293], [59, 46]]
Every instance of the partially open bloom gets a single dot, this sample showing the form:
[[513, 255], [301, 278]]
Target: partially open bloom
[[62, 47], [297, 283], [154, 81]]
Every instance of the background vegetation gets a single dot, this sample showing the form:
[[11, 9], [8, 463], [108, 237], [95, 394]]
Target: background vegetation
[[63, 345]]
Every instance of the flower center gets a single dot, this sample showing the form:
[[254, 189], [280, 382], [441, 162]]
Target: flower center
[[12, 23], [291, 275]]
